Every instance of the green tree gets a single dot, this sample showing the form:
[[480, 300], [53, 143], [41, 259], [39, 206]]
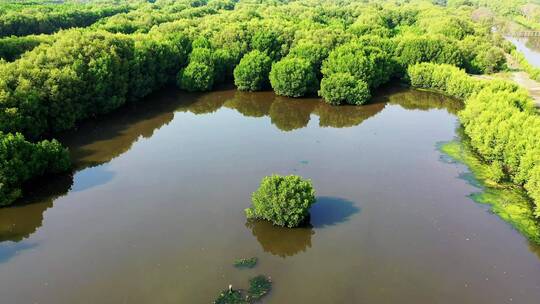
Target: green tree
[[283, 200], [342, 88], [196, 77], [293, 77], [251, 74], [366, 63]]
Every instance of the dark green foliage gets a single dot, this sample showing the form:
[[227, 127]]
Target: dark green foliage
[[251, 74], [156, 61], [246, 263], [231, 297], [21, 161], [224, 63], [259, 286], [283, 200], [340, 88], [13, 47], [196, 77], [293, 77]]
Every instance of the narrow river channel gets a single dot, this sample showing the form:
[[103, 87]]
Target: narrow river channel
[[154, 211]]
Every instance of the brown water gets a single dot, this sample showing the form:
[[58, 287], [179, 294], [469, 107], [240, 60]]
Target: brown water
[[154, 212]]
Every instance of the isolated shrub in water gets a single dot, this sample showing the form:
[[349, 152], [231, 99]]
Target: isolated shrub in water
[[342, 88], [251, 74], [283, 200], [293, 77]]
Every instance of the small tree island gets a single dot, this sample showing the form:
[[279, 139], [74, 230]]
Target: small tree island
[[283, 200]]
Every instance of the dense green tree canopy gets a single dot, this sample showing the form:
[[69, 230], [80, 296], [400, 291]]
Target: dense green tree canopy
[[251, 74], [342, 88], [293, 77]]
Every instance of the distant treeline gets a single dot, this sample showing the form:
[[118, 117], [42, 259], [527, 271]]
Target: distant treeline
[[25, 19]]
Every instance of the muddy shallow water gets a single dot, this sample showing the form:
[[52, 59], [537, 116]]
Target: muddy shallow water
[[154, 211]]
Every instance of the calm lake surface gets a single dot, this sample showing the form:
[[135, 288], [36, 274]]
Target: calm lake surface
[[154, 211]]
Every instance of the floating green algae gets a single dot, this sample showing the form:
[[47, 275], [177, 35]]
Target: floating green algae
[[506, 200], [246, 263]]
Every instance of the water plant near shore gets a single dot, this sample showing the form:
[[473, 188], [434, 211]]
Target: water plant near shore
[[506, 199]]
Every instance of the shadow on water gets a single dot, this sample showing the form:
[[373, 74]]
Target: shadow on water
[[98, 141], [330, 211], [286, 242], [21, 220]]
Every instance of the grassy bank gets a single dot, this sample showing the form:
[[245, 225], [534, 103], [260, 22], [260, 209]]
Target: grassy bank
[[507, 200]]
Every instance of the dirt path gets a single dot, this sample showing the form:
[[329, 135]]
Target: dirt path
[[531, 85], [519, 77]]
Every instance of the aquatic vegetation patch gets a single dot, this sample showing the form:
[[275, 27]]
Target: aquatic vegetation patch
[[231, 296], [246, 262], [507, 200], [259, 287]]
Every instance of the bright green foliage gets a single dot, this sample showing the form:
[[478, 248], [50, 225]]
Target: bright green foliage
[[251, 74], [450, 27], [83, 74], [48, 18], [367, 63], [283, 200], [196, 77], [202, 55], [21, 161], [445, 78], [481, 56], [437, 49], [269, 42], [293, 77], [342, 88], [201, 43], [314, 53]]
